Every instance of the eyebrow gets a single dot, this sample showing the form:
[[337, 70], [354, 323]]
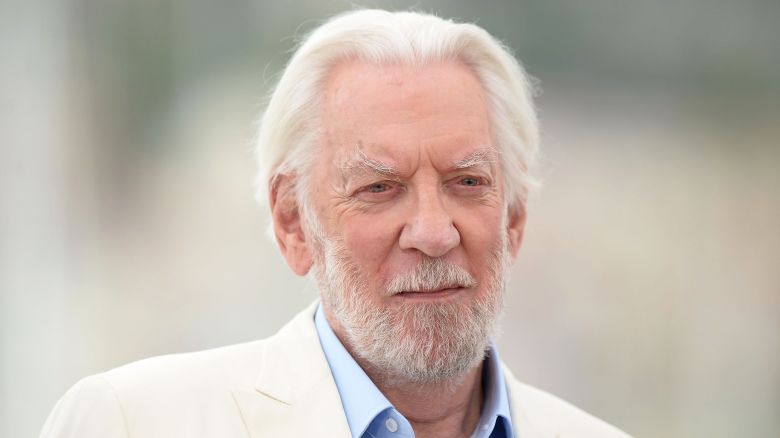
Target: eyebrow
[[361, 162], [481, 156]]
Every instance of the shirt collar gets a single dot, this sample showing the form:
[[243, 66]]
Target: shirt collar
[[363, 402], [496, 407]]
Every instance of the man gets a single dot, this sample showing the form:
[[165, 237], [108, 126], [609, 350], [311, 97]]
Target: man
[[396, 153]]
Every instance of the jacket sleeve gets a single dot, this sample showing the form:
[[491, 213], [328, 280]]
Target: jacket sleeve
[[90, 409]]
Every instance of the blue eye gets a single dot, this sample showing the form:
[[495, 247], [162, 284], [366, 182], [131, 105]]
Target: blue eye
[[471, 182], [377, 187], [377, 192]]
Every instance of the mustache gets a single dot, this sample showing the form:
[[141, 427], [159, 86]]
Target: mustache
[[431, 274]]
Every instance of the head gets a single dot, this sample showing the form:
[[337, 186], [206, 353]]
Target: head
[[396, 151]]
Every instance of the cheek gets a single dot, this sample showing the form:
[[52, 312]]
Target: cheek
[[369, 241], [478, 222], [481, 236]]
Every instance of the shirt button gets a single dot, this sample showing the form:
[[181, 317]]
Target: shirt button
[[391, 425]]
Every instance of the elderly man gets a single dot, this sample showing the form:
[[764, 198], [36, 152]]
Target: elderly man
[[396, 153]]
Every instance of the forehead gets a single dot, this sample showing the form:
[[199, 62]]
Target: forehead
[[390, 109]]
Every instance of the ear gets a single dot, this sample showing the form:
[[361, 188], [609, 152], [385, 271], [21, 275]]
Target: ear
[[288, 225], [515, 228]]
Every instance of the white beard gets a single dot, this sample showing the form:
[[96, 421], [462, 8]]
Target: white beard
[[413, 342]]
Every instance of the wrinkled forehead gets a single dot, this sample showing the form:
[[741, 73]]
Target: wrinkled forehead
[[378, 111], [357, 91]]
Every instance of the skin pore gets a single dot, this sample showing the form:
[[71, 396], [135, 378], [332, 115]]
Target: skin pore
[[407, 173]]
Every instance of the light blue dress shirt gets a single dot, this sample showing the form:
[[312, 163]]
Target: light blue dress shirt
[[370, 415]]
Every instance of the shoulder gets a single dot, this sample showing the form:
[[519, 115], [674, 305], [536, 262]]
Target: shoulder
[[543, 414], [157, 390], [170, 395], [74, 413], [225, 366]]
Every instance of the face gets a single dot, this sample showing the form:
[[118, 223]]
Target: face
[[406, 222]]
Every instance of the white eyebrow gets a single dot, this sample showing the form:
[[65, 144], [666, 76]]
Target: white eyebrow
[[362, 163], [479, 157]]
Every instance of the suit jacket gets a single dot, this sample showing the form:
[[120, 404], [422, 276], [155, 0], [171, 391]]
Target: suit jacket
[[277, 387]]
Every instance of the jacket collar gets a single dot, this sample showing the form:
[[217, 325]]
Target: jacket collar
[[294, 393]]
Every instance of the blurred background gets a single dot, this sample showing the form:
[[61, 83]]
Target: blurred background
[[648, 288]]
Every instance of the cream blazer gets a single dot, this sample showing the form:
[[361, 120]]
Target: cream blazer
[[278, 387]]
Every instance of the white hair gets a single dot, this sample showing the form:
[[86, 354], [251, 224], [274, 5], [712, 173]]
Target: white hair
[[289, 127]]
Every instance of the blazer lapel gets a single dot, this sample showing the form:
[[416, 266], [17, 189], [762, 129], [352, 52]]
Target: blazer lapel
[[522, 425], [294, 393]]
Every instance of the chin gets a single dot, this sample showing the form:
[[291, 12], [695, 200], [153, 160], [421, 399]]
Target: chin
[[424, 341]]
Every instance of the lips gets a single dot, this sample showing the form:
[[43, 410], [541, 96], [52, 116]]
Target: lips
[[432, 294], [427, 289]]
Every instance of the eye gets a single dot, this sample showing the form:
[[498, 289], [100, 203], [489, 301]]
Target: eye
[[378, 187], [470, 185], [470, 181], [379, 191]]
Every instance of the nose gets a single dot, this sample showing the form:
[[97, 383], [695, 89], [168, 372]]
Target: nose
[[430, 228]]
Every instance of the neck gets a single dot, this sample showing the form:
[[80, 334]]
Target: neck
[[449, 407]]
